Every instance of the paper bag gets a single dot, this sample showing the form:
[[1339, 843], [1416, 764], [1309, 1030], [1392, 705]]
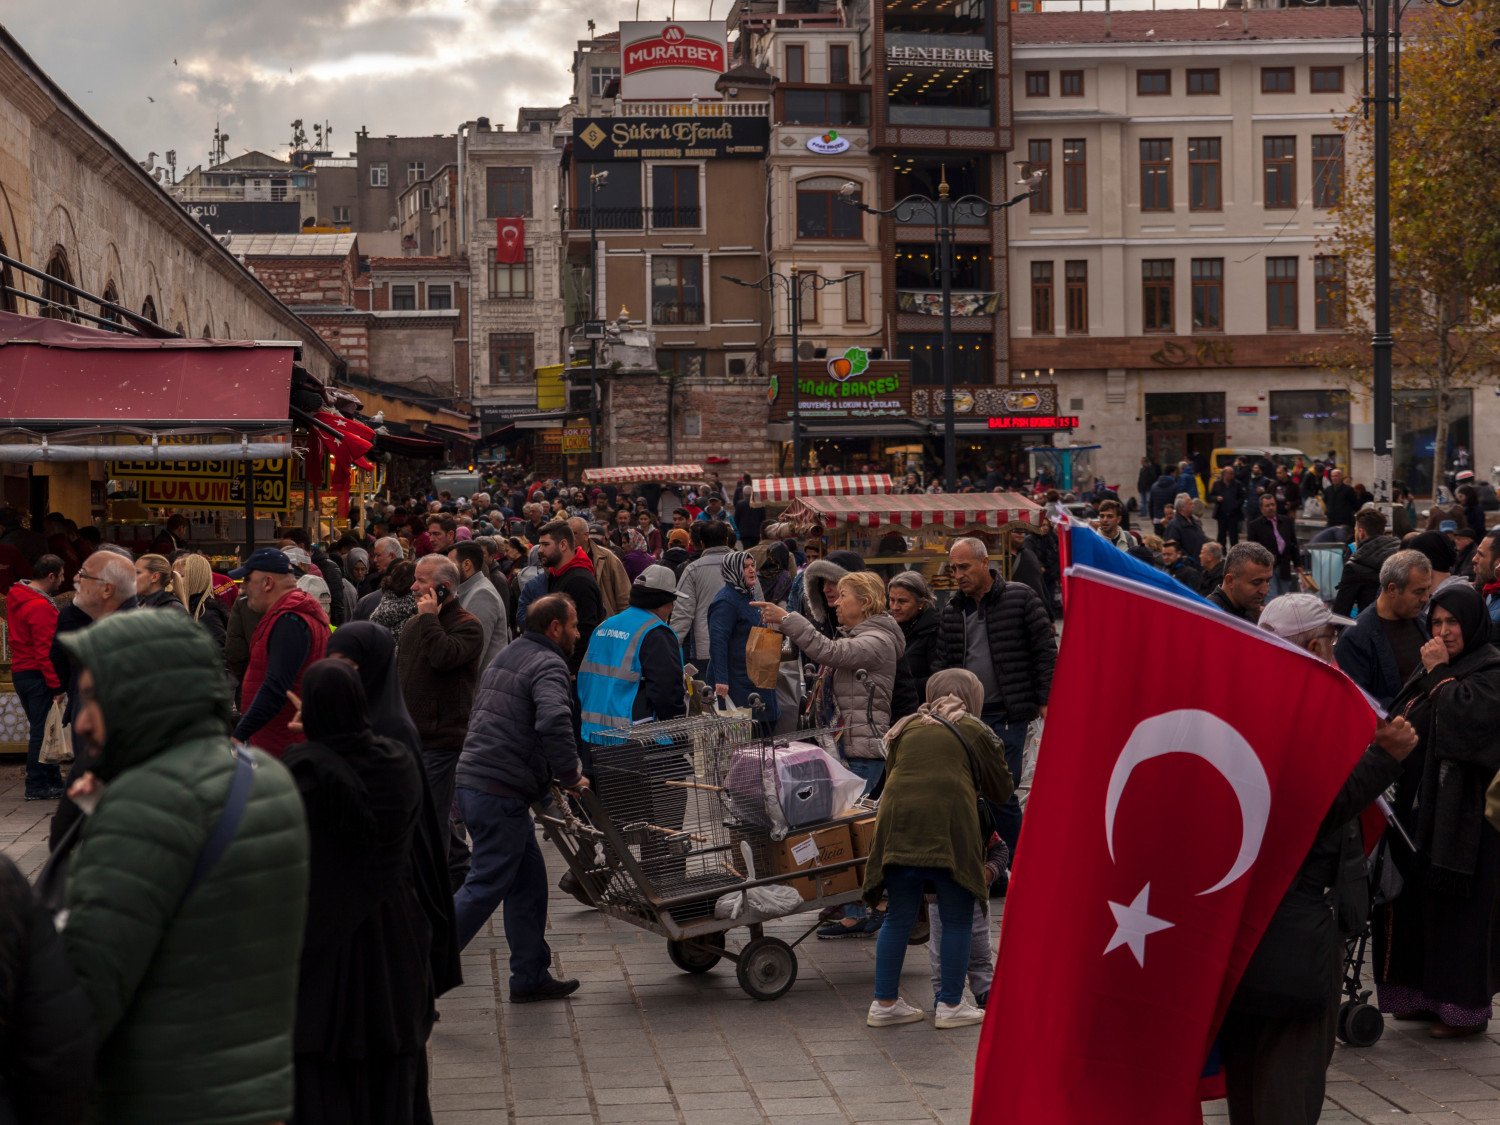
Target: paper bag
[[763, 657]]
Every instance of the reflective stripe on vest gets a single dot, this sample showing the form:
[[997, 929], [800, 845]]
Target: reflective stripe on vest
[[610, 674]]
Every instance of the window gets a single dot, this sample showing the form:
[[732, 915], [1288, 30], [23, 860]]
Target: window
[[1076, 296], [916, 266], [1280, 155], [807, 298], [340, 216], [1281, 294], [380, 175], [1328, 170], [681, 363], [1208, 294], [427, 199], [676, 289], [1203, 81], [692, 424], [824, 107], [440, 296], [512, 282], [1041, 299], [1158, 294], [507, 192], [1278, 80], [1039, 156], [854, 298], [511, 356], [1153, 83], [1075, 177], [973, 357], [820, 212], [796, 63], [1156, 175], [415, 170], [1326, 79], [618, 202], [1205, 192], [60, 302], [838, 64], [403, 297], [1070, 83], [1328, 291], [599, 79], [1038, 83], [674, 196]]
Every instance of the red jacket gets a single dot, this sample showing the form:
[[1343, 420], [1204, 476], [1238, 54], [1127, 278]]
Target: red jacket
[[274, 737], [32, 620]]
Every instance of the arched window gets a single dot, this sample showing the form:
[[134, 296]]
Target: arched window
[[59, 300], [148, 310], [112, 295], [207, 332]]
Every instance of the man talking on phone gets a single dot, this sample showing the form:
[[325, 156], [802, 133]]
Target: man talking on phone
[[437, 659]]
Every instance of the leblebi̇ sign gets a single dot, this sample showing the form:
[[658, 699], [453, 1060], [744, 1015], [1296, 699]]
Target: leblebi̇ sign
[[671, 60]]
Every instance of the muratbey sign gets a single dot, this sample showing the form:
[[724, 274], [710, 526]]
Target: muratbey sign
[[671, 60]]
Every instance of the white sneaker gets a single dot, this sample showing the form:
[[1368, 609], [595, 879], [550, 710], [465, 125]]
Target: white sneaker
[[962, 1014], [900, 1012]]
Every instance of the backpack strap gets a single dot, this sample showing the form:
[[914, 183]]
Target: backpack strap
[[228, 823]]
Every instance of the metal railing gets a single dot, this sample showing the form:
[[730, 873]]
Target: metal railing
[[730, 107]]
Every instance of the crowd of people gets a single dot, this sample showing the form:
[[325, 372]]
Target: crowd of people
[[301, 788]]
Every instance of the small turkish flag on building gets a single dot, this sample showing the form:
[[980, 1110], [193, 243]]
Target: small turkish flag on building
[[510, 249], [1164, 828]]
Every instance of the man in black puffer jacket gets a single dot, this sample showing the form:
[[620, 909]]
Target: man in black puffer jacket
[[1000, 631], [1359, 585]]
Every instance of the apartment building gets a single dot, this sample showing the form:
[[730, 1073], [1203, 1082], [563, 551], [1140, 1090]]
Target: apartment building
[[1172, 276]]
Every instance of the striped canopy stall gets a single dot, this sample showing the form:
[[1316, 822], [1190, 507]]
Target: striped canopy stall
[[779, 489], [977, 509], [639, 473]]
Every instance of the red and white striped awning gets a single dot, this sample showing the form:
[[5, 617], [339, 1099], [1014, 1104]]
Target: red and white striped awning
[[638, 473], [775, 489], [976, 509]]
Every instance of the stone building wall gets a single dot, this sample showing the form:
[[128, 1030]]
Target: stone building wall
[[730, 423]]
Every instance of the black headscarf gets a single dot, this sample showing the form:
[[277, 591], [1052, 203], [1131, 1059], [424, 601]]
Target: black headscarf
[[372, 648], [1437, 549], [1467, 606], [333, 703]]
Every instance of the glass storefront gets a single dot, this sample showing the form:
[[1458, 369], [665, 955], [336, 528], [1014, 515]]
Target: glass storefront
[[1183, 426], [1316, 422], [1416, 433], [973, 357], [922, 173]]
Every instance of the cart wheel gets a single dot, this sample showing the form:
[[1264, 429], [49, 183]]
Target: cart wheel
[[1341, 1029], [1363, 1025], [766, 968], [698, 955]]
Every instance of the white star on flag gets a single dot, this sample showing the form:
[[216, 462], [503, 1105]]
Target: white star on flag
[[1133, 924]]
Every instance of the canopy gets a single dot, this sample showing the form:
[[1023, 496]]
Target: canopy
[[56, 374], [774, 489], [643, 473], [983, 509]]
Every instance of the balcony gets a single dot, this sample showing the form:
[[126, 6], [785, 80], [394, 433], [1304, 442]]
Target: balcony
[[676, 313], [576, 219], [693, 108]]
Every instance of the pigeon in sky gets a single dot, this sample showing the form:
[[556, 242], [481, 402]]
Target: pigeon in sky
[[149, 98]]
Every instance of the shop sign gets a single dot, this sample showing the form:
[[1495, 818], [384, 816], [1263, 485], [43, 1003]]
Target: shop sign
[[829, 144], [1035, 422], [850, 386], [1245, 411], [577, 439], [670, 138], [942, 58], [672, 60], [272, 491], [927, 302]]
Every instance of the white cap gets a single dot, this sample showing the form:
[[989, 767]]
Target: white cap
[[658, 577], [298, 557], [1293, 615]]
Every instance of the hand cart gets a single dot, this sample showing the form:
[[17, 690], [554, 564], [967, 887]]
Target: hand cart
[[657, 842]]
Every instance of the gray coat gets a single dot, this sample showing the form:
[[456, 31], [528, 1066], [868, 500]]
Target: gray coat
[[520, 734], [700, 580], [477, 595], [875, 645]]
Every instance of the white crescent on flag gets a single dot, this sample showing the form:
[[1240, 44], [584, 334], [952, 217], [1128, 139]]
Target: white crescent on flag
[[509, 233]]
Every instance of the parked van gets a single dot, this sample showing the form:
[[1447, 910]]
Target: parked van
[[1270, 455]]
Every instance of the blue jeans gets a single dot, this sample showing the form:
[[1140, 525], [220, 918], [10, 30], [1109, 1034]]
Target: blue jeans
[[36, 699], [871, 769], [1013, 738], [904, 888], [506, 867]]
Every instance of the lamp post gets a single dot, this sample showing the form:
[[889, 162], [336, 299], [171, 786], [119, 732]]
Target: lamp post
[[595, 179], [793, 284], [945, 213]]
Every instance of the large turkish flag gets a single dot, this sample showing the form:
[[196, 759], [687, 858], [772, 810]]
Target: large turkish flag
[[510, 241], [1187, 761]]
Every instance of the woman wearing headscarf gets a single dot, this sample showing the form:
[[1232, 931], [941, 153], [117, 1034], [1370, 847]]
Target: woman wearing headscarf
[[928, 837], [196, 577], [915, 610], [1434, 941], [364, 997], [730, 619], [636, 558], [778, 569], [372, 651]]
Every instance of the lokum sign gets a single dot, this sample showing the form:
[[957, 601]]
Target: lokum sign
[[676, 61]]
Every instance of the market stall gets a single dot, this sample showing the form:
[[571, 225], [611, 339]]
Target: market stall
[[641, 474], [781, 490]]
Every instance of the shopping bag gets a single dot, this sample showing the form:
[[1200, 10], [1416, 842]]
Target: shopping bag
[[57, 739], [763, 657], [1028, 752]]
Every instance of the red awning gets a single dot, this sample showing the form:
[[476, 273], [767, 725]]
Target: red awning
[[55, 374], [640, 473], [789, 488], [984, 509]]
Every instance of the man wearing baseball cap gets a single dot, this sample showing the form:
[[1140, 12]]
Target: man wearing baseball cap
[[292, 633]]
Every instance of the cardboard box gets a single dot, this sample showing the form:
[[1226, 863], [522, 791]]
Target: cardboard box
[[802, 851], [864, 834]]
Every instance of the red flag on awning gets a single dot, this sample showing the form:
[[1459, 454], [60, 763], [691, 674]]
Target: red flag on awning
[[510, 249], [1161, 835]]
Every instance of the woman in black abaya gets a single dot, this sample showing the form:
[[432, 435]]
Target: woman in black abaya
[[364, 998], [1435, 942]]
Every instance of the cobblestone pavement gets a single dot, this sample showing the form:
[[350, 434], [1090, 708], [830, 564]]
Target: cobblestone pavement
[[644, 1042]]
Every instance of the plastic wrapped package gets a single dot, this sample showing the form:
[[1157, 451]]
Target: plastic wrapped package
[[789, 785]]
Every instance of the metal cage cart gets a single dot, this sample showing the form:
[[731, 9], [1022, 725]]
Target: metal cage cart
[[667, 831]]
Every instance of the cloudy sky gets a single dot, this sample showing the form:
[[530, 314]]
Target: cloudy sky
[[396, 66]]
